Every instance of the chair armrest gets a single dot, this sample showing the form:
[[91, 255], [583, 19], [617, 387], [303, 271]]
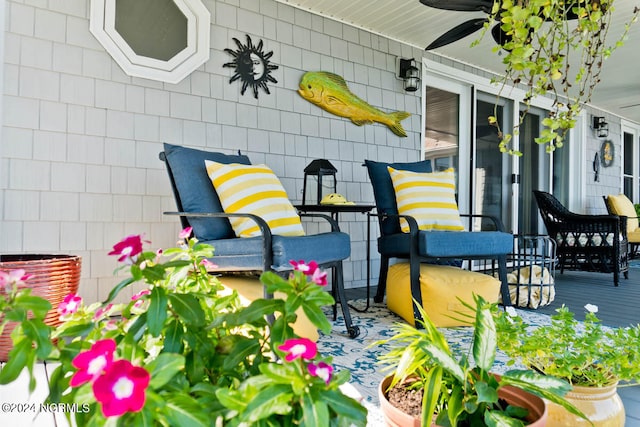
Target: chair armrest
[[331, 221], [267, 249]]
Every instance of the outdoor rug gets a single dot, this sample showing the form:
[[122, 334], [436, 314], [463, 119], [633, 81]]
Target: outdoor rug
[[358, 356]]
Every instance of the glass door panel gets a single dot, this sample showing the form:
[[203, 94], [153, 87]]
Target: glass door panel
[[535, 166], [627, 172], [442, 123], [447, 133], [492, 177]]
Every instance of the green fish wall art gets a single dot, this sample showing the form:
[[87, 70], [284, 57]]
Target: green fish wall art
[[330, 92]]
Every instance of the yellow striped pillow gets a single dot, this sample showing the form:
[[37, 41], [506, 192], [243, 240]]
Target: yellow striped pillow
[[428, 197], [257, 190]]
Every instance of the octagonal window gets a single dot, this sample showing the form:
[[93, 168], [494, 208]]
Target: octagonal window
[[153, 28], [156, 39]]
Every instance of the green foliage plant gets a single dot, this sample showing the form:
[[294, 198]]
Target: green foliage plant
[[583, 353], [553, 48], [457, 391], [184, 351]]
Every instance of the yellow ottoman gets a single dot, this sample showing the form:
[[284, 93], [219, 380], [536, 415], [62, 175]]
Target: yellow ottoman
[[250, 289], [441, 287]]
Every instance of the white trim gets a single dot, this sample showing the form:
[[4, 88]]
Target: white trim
[[102, 26]]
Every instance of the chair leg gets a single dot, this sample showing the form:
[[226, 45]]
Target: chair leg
[[382, 279], [504, 283], [416, 290], [338, 286]]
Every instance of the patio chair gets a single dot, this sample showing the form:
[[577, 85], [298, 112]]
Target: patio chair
[[419, 245], [585, 242], [200, 207], [623, 207]]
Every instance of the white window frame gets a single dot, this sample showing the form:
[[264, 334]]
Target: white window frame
[[102, 26]]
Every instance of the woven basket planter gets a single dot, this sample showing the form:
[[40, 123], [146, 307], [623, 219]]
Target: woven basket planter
[[54, 277]]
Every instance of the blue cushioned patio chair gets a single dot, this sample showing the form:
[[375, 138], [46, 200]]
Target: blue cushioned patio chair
[[199, 207], [430, 246]]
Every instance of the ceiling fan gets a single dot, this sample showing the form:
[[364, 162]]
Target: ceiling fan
[[471, 26]]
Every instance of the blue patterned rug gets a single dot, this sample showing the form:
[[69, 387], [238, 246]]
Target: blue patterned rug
[[360, 359]]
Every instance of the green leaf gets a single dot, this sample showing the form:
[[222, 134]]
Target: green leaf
[[188, 308], [444, 359], [76, 330], [242, 349], [157, 312], [345, 407], [173, 335], [184, 411], [39, 333], [317, 317], [455, 405], [116, 289], [39, 306], [431, 394], [485, 341], [269, 401], [546, 386], [18, 358], [163, 368], [260, 308], [315, 412], [500, 419], [486, 393]]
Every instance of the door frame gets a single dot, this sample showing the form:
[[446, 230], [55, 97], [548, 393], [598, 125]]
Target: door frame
[[435, 73]]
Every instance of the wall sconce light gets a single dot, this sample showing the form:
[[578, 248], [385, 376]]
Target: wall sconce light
[[601, 127], [408, 72]]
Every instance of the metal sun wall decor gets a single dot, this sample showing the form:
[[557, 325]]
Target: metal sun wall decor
[[330, 92], [252, 66]]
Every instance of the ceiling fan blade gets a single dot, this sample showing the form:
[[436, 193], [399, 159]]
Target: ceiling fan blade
[[499, 35], [460, 5], [458, 32]]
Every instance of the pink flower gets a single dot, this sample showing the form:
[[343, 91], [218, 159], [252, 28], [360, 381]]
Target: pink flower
[[319, 277], [184, 234], [208, 264], [93, 362], [128, 249], [307, 269], [321, 370], [69, 304], [121, 389], [11, 277], [140, 294], [299, 347], [102, 311]]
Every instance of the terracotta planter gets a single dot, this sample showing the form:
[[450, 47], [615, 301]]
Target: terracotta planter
[[54, 277], [602, 405], [396, 418]]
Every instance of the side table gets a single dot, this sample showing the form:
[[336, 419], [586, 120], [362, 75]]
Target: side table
[[335, 211]]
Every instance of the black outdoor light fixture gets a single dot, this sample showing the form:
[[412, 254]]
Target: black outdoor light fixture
[[600, 127], [319, 168], [408, 72]]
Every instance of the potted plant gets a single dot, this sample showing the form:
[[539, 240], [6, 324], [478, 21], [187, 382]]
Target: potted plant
[[456, 392], [182, 352], [591, 357], [553, 48]]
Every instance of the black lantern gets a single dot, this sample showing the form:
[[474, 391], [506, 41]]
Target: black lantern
[[408, 72], [601, 127], [319, 168]]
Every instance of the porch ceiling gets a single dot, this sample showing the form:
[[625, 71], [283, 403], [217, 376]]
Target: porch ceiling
[[410, 22]]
